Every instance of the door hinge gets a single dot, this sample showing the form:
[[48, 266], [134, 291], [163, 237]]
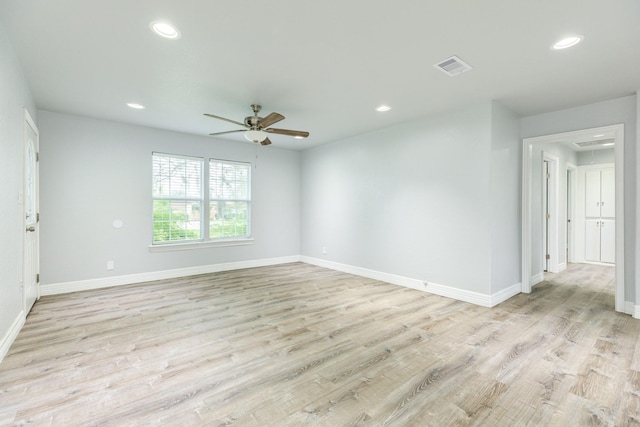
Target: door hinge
[[38, 278], [548, 216], [548, 176], [548, 256], [37, 156], [38, 217]]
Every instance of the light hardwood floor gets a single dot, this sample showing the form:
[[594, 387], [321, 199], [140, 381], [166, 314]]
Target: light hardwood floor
[[296, 345]]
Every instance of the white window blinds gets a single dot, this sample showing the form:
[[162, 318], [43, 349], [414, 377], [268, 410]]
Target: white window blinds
[[177, 198]]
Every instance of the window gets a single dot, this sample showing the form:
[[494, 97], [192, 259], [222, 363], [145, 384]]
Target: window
[[177, 198], [229, 199], [183, 198]]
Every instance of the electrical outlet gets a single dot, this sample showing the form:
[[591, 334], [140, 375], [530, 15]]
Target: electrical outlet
[[110, 265], [425, 283], [324, 250]]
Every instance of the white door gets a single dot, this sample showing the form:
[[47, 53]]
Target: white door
[[570, 222], [592, 240], [592, 194], [31, 215], [608, 193], [608, 240], [546, 176]]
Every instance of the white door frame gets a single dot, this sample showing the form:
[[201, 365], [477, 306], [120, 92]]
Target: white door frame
[[570, 237], [618, 131], [552, 224], [28, 258]]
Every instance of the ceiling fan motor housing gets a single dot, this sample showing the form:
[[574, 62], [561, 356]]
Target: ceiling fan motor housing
[[252, 121]]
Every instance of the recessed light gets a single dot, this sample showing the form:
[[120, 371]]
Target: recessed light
[[165, 30], [136, 106], [383, 108], [567, 42]]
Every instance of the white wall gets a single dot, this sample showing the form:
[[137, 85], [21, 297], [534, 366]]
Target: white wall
[[94, 172], [416, 199], [506, 193], [14, 96], [615, 111]]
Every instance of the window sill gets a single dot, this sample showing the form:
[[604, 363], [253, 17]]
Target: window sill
[[170, 247]]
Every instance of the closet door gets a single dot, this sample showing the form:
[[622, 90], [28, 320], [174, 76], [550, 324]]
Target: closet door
[[592, 240], [592, 194], [599, 209], [608, 240], [607, 193]]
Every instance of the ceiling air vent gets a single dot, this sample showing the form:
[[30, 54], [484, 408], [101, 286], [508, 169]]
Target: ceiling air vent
[[453, 66]]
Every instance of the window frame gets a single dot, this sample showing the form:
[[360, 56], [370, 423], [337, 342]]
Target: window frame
[[246, 200], [205, 204]]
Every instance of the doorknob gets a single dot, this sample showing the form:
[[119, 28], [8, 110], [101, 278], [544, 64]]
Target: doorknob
[[31, 228]]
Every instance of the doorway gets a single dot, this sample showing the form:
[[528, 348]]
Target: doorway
[[570, 209], [530, 261], [31, 216], [546, 177], [551, 254]]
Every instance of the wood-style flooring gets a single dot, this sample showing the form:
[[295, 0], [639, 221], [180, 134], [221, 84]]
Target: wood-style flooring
[[296, 345]]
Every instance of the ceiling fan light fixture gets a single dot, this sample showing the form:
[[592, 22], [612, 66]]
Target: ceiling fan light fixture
[[255, 135], [165, 30], [298, 137]]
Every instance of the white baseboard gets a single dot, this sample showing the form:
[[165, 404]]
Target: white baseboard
[[459, 294], [485, 300], [604, 264], [562, 267], [505, 294], [632, 309], [365, 272], [11, 335], [84, 285], [434, 288], [538, 278]]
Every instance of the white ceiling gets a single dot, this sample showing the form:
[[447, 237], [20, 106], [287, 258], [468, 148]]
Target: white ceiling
[[325, 65]]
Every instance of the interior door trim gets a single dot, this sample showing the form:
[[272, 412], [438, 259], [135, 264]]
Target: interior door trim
[[618, 131]]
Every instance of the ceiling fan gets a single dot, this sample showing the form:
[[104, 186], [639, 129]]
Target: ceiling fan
[[256, 129]]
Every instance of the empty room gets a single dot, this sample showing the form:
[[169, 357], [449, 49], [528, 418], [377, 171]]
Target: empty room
[[290, 213]]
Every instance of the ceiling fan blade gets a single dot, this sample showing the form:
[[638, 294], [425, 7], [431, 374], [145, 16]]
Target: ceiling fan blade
[[228, 131], [266, 141], [300, 133], [222, 118], [270, 119]]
